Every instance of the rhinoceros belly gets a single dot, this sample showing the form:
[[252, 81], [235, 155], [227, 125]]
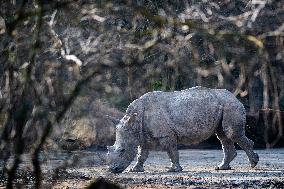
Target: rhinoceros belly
[[193, 116]]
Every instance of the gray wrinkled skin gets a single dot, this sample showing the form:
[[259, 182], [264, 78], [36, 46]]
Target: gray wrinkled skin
[[161, 120]]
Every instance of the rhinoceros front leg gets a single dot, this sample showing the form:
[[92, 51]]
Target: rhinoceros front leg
[[170, 145], [142, 156], [174, 156]]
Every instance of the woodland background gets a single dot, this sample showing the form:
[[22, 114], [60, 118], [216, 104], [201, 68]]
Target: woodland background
[[64, 65]]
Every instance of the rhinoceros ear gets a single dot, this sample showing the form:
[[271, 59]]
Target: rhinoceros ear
[[132, 117], [113, 119]]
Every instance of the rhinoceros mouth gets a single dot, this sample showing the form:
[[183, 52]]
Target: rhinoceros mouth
[[116, 169]]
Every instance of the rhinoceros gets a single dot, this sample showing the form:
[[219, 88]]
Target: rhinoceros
[[162, 120]]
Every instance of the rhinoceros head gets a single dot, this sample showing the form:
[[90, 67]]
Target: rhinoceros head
[[121, 154]]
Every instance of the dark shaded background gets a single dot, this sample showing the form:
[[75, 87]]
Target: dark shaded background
[[66, 64]]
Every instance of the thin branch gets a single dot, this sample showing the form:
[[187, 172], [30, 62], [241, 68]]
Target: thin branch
[[58, 117]]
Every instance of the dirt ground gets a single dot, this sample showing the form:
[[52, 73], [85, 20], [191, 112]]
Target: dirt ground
[[198, 171]]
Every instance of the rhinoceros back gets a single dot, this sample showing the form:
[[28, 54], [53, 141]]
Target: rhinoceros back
[[191, 114], [194, 112]]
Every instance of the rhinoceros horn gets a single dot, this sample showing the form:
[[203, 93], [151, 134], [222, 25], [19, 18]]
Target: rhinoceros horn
[[113, 119]]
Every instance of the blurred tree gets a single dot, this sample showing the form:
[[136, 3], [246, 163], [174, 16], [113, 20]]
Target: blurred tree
[[53, 52]]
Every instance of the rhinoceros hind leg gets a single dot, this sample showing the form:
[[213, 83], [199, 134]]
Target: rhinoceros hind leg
[[141, 158], [247, 145], [229, 151]]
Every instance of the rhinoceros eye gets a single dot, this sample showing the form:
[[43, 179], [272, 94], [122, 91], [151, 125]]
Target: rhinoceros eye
[[122, 150]]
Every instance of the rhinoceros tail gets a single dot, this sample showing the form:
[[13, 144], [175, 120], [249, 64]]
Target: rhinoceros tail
[[220, 121]]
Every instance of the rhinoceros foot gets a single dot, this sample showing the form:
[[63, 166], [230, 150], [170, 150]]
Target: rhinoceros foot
[[176, 168], [137, 168], [223, 167], [254, 160]]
